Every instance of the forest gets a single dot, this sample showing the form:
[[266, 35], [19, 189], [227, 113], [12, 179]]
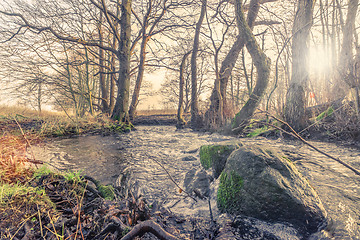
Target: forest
[[218, 59], [121, 118]]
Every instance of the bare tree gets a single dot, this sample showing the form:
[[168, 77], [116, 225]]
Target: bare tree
[[295, 97], [347, 67], [262, 64], [180, 119], [123, 52], [195, 117]]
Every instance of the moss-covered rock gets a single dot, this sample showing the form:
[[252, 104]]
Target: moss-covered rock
[[229, 190], [214, 156], [258, 182]]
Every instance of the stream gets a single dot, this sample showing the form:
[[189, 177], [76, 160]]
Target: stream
[[139, 152]]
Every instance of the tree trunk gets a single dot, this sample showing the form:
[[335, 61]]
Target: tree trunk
[[104, 90], [180, 119], [120, 112], [346, 55], [141, 68], [295, 98], [139, 78], [113, 62], [39, 95], [195, 118], [218, 100], [262, 64], [112, 79]]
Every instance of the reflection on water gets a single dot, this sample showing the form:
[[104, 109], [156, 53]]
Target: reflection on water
[[96, 156], [105, 158]]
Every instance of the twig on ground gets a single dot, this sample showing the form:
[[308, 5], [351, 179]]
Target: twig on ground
[[296, 135], [172, 179], [28, 144], [149, 226]]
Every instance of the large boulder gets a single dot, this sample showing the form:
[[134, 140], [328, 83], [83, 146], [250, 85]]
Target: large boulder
[[215, 156], [259, 182]]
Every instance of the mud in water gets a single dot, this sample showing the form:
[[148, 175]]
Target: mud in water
[[108, 157]]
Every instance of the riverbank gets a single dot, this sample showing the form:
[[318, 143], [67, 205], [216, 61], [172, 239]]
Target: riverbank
[[178, 152], [143, 167]]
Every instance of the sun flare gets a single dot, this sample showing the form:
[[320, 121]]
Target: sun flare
[[319, 60]]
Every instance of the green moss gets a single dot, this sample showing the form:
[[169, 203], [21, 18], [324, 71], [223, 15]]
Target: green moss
[[325, 114], [287, 159], [215, 156], [106, 191], [42, 171], [229, 191], [256, 132], [125, 231], [28, 195], [211, 153], [233, 123]]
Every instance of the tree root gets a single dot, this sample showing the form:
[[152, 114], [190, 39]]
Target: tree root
[[149, 226], [115, 225]]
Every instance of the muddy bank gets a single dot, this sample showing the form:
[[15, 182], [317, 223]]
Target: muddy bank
[[108, 157]]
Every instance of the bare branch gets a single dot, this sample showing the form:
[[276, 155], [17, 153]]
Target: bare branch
[[58, 35]]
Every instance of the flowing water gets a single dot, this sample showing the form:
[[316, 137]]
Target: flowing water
[[148, 150]]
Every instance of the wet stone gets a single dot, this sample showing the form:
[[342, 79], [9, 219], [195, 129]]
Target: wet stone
[[188, 159], [197, 182], [260, 182]]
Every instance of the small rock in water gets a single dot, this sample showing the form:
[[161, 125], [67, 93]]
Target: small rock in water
[[188, 159], [191, 151], [198, 182]]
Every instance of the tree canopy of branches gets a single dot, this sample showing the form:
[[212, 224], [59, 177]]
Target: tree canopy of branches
[[94, 56]]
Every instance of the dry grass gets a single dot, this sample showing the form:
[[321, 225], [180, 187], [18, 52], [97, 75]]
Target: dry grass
[[13, 158], [20, 128], [16, 110]]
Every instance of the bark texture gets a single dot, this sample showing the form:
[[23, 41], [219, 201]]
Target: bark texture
[[140, 75], [262, 64], [348, 63], [218, 103], [120, 112], [195, 117], [104, 90], [180, 119], [295, 98]]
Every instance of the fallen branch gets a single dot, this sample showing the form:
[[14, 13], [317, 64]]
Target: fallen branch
[[149, 226], [172, 179], [296, 135]]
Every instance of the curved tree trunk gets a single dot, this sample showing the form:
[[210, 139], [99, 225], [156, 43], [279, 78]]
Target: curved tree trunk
[[218, 96], [180, 119], [120, 112], [195, 118], [262, 64], [295, 98]]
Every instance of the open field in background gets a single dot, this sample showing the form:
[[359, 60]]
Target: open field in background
[[157, 112], [6, 111]]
